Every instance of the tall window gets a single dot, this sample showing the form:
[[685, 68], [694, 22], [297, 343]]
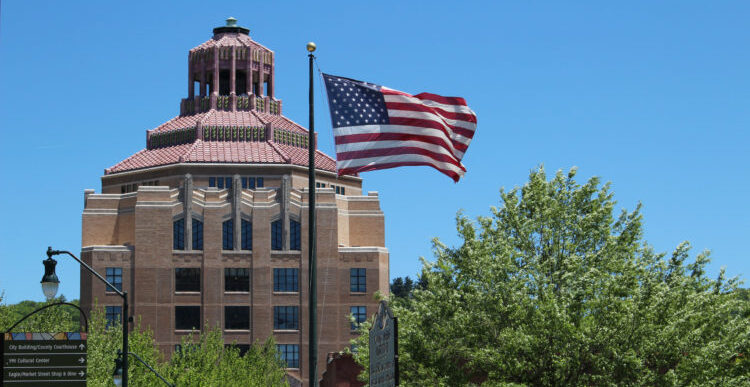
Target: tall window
[[285, 280], [113, 315], [294, 235], [227, 235], [358, 280], [260, 182], [114, 276], [178, 234], [187, 279], [187, 317], [286, 317], [197, 234], [236, 280], [289, 353], [236, 317], [247, 235], [276, 235], [360, 315]]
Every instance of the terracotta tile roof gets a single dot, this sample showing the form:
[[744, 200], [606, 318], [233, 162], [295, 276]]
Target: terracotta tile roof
[[228, 40], [233, 152], [150, 158], [260, 152], [224, 118]]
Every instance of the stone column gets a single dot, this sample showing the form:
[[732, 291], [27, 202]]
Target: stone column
[[249, 71], [284, 192], [191, 84], [270, 78], [236, 213], [215, 92], [188, 211], [202, 67], [233, 80]]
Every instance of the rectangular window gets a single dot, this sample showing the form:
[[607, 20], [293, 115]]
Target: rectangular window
[[220, 182], [338, 190], [197, 235], [286, 317], [260, 182], [212, 182], [251, 182], [227, 235], [294, 235], [343, 191], [276, 235], [114, 276], [285, 280], [113, 315], [187, 279], [358, 280], [228, 183], [244, 182], [360, 315], [236, 280], [236, 317], [289, 353], [187, 317], [178, 234], [247, 235]]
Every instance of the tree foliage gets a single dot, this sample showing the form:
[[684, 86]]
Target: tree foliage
[[207, 362], [554, 288]]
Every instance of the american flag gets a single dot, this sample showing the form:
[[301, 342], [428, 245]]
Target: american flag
[[377, 128]]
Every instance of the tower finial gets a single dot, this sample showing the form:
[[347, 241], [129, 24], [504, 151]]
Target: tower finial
[[231, 22]]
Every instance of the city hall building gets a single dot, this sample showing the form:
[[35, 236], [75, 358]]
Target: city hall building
[[207, 226]]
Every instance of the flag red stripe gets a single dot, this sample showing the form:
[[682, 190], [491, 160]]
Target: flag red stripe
[[367, 137], [406, 121], [398, 151], [350, 171], [428, 96], [428, 109]]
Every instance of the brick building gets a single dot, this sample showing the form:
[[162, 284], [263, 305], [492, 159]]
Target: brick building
[[207, 225]]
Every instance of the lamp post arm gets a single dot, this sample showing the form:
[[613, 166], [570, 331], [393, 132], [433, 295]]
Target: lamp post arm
[[149, 367], [51, 252]]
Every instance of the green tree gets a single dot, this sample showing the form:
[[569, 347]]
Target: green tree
[[555, 289]]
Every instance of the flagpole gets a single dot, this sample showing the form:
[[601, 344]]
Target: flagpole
[[311, 235]]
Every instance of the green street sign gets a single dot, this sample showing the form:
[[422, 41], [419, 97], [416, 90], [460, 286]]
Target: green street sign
[[44, 359]]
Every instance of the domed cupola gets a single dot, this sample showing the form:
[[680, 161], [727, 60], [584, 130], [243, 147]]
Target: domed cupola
[[230, 114]]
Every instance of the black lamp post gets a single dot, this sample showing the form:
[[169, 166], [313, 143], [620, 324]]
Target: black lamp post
[[50, 283]]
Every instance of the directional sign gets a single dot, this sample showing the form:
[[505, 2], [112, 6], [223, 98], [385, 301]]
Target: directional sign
[[44, 359], [384, 348]]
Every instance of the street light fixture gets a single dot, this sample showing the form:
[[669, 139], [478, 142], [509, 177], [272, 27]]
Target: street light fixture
[[50, 282]]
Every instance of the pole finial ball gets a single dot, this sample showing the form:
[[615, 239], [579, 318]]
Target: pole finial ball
[[311, 46]]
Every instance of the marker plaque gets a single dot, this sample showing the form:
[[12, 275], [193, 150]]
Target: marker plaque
[[44, 359], [384, 348]]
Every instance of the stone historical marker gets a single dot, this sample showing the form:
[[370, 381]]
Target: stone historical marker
[[384, 348], [44, 359]]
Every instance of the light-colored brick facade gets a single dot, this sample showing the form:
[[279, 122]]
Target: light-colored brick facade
[[134, 231]]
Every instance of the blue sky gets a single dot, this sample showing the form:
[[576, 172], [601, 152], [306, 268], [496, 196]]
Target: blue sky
[[652, 96]]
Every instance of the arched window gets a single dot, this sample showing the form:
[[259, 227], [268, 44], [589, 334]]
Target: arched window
[[197, 234], [276, 235], [247, 235], [178, 234], [294, 235], [227, 235]]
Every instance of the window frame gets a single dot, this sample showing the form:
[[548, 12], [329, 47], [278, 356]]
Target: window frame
[[359, 314], [246, 235], [290, 320], [197, 234], [286, 349], [185, 308], [112, 278], [295, 235], [177, 279], [112, 315], [228, 273], [178, 234], [236, 308], [277, 235], [227, 234], [277, 276], [358, 280]]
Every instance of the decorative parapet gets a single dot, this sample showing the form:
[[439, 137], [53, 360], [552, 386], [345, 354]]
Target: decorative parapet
[[234, 133], [171, 138], [197, 105], [287, 137]]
